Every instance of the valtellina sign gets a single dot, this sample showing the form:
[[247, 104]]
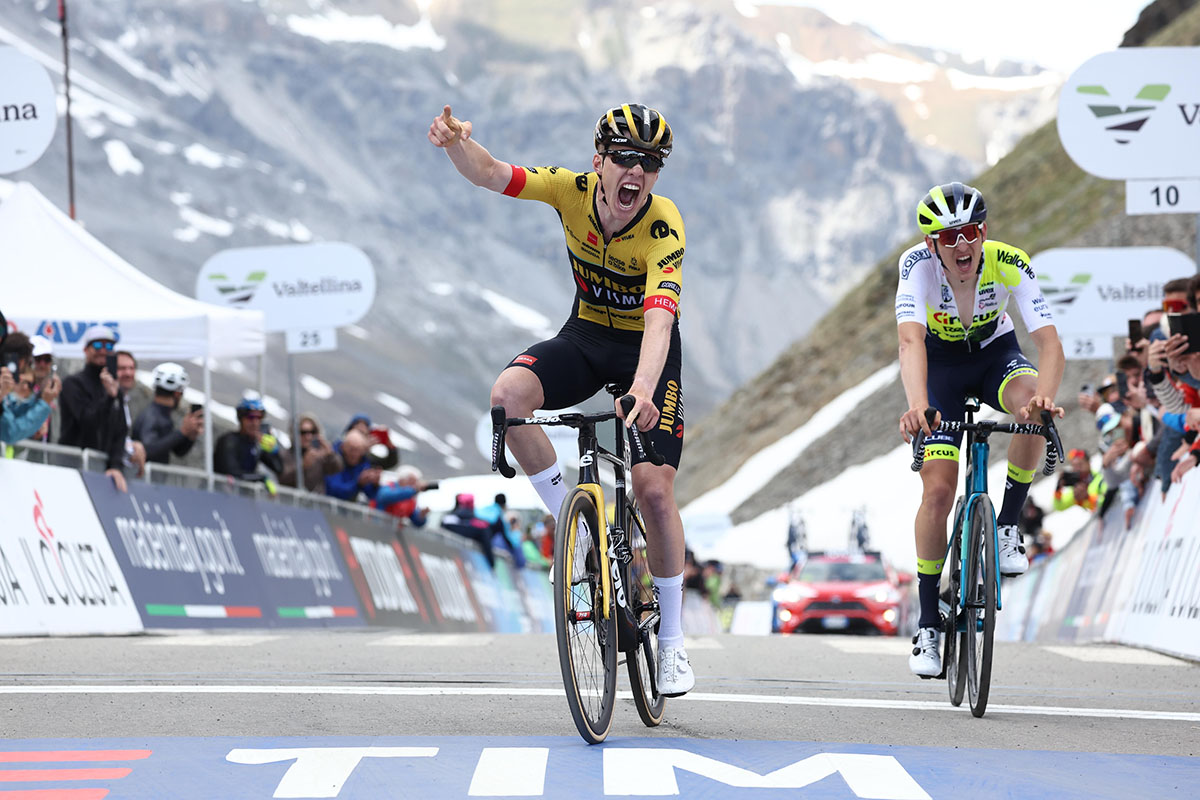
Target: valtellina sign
[[27, 110], [1134, 113], [321, 285]]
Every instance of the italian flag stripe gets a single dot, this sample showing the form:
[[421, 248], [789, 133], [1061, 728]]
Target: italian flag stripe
[[317, 612], [201, 611]]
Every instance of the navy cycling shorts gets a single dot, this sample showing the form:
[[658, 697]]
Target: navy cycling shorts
[[578, 363], [953, 375]]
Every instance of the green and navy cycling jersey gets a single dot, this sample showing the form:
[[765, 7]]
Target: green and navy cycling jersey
[[924, 296]]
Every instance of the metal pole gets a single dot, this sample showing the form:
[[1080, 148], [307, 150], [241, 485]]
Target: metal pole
[[62, 19], [208, 422], [295, 423], [262, 372]]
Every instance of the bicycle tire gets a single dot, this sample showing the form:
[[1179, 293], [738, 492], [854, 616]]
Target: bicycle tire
[[587, 642], [981, 608], [641, 659], [955, 649]]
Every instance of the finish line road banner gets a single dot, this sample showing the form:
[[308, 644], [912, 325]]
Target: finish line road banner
[[58, 574]]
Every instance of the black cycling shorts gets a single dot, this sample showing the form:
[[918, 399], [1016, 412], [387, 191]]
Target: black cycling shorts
[[953, 375], [578, 363]]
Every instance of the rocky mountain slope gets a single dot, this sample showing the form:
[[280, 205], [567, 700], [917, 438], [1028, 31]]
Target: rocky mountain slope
[[1037, 198], [208, 124]]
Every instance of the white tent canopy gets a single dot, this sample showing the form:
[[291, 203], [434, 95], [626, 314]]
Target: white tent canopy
[[58, 279]]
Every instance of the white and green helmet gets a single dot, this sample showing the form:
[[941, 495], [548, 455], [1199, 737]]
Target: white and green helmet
[[949, 206]]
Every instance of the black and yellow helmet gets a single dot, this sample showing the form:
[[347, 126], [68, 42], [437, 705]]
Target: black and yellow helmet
[[949, 206], [634, 125]]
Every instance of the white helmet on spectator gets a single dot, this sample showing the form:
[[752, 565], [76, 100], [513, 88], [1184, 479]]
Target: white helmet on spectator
[[170, 377]]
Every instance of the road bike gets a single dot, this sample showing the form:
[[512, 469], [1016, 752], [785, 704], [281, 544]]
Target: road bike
[[973, 554], [605, 606]]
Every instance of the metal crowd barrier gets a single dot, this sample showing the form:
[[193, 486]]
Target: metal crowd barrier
[[189, 478]]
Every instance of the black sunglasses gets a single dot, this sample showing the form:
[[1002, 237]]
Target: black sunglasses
[[627, 158], [304, 432]]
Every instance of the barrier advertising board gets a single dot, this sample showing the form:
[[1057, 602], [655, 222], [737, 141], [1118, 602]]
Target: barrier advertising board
[[1134, 113], [58, 574], [438, 559], [196, 559], [382, 571]]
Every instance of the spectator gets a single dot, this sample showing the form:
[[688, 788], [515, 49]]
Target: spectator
[[1077, 486], [356, 475], [1087, 398], [462, 520], [501, 532], [381, 452], [399, 498], [238, 453], [317, 458], [546, 537], [45, 372], [93, 415], [25, 412], [155, 429], [1030, 522], [134, 400], [533, 552], [1110, 392], [1173, 375]]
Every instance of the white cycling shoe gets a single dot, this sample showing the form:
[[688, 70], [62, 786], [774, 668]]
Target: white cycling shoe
[[1013, 560], [926, 658], [583, 545], [674, 672]]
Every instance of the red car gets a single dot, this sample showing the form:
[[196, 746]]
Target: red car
[[843, 592]]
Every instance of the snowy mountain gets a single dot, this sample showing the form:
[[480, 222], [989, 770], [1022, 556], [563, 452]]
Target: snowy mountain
[[207, 124]]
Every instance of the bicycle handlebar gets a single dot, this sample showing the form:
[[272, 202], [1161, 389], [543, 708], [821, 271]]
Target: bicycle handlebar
[[501, 422], [1054, 452]]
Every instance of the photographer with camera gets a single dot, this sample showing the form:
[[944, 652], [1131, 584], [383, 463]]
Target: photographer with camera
[[1077, 486], [317, 457], [399, 498], [155, 427], [238, 453], [93, 414], [25, 407]]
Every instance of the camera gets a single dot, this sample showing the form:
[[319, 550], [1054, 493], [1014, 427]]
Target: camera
[[429, 486], [1070, 478]]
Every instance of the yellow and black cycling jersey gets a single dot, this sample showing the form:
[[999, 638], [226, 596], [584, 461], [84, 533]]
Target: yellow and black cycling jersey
[[924, 295], [615, 281]]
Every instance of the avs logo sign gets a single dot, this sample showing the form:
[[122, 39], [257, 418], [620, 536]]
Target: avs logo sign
[[1134, 113], [70, 331]]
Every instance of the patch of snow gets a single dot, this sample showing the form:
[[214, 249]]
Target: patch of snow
[[960, 81], [200, 155], [357, 332], [393, 403], [520, 315], [421, 433], [881, 67], [337, 26], [188, 234], [137, 69], [121, 159], [204, 223], [441, 289], [317, 388]]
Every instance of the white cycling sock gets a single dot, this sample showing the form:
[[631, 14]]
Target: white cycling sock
[[670, 610], [551, 487]]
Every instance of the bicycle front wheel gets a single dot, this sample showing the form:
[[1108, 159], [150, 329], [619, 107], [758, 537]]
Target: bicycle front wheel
[[981, 603], [642, 654], [585, 630], [955, 647]]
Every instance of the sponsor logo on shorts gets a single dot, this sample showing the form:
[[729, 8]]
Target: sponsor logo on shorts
[[525, 359]]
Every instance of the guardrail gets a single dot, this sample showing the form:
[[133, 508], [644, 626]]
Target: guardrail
[[190, 478]]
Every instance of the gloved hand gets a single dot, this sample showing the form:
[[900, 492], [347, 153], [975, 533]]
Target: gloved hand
[[268, 443]]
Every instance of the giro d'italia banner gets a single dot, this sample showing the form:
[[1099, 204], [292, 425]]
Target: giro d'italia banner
[[197, 559], [58, 574]]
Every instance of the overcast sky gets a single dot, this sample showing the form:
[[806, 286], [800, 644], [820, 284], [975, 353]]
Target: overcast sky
[[1060, 34]]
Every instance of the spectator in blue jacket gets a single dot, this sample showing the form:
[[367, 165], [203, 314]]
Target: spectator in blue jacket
[[357, 475], [502, 534], [24, 411]]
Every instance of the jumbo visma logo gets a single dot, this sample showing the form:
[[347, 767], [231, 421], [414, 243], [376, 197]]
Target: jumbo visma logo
[[1124, 122], [237, 294]]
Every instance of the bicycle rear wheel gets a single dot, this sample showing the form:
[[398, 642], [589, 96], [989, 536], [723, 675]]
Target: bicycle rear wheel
[[587, 640], [981, 604], [641, 656], [956, 648]]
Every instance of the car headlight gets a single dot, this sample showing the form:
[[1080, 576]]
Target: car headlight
[[880, 594], [793, 593]]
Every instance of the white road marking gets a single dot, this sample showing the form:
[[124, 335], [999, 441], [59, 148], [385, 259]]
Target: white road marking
[[1116, 654], [516, 691], [24, 640], [207, 640], [884, 646], [434, 640]]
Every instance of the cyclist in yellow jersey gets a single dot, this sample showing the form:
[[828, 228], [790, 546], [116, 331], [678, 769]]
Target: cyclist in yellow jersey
[[956, 339], [625, 246]]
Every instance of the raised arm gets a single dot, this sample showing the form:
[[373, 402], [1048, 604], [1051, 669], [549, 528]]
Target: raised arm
[[468, 156]]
